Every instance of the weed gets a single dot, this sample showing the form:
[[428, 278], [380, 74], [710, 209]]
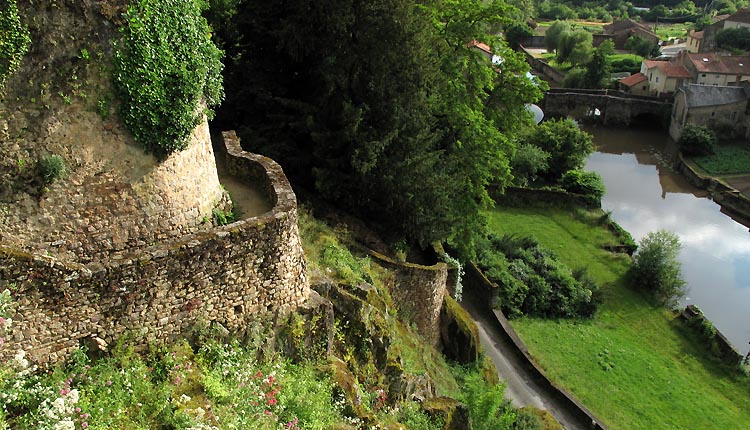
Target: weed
[[52, 168]]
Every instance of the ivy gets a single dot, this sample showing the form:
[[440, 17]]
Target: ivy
[[164, 66], [14, 39]]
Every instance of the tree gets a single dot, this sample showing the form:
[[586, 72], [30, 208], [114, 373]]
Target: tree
[[516, 32], [583, 182], [697, 140], [656, 269], [567, 144], [734, 38], [598, 69], [382, 106], [575, 47], [552, 35], [527, 162], [642, 47]]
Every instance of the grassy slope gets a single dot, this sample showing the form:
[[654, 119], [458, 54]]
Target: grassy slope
[[657, 378], [727, 159]]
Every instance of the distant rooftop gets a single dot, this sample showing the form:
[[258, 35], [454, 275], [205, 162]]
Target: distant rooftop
[[633, 79]]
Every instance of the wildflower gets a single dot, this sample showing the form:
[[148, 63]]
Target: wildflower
[[84, 424], [272, 402], [177, 380]]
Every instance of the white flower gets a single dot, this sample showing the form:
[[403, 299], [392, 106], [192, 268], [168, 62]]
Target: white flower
[[66, 424]]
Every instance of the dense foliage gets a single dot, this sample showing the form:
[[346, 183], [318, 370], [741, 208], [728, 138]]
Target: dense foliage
[[165, 67], [14, 41], [389, 111], [566, 143], [643, 47], [534, 282], [527, 162], [697, 140], [734, 38], [583, 182], [656, 269]]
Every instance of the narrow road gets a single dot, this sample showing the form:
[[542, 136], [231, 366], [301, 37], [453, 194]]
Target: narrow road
[[522, 390]]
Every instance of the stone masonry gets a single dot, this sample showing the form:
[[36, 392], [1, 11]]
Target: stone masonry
[[233, 275]]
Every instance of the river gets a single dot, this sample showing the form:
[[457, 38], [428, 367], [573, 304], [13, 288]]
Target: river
[[645, 194]]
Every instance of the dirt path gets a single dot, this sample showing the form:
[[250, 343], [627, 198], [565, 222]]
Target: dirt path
[[522, 390]]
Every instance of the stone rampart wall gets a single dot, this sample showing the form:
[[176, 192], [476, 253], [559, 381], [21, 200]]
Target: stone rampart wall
[[115, 198], [234, 275], [419, 292]]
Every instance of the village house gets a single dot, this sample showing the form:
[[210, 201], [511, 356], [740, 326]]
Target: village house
[[694, 41], [709, 68], [664, 77], [621, 30], [721, 108], [636, 85], [741, 18]]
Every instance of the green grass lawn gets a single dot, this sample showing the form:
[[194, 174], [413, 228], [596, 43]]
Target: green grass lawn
[[633, 364], [728, 159], [665, 31]]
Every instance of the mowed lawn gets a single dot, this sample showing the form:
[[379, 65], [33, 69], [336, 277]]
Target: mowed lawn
[[633, 365]]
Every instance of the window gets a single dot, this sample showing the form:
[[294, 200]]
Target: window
[[703, 75], [657, 79], [713, 113], [733, 116]]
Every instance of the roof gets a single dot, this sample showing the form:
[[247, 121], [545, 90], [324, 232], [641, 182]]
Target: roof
[[670, 69], [633, 79], [696, 34], [719, 18], [479, 45], [742, 15], [711, 62], [709, 95], [629, 26]]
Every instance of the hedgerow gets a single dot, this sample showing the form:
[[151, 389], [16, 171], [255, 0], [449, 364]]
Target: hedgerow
[[164, 65], [14, 41]]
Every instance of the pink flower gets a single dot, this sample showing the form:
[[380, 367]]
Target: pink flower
[[78, 410], [84, 424], [109, 382], [267, 412], [177, 380], [272, 401], [2, 341]]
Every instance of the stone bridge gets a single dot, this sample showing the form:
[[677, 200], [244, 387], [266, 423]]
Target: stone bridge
[[614, 107]]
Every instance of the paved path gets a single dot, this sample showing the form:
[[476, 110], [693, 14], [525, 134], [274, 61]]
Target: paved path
[[521, 390]]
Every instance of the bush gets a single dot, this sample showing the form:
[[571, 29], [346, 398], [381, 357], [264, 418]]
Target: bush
[[642, 47], [734, 38], [583, 182], [534, 282], [566, 143], [527, 162], [14, 41], [626, 65], [697, 140], [164, 66], [655, 268], [52, 168]]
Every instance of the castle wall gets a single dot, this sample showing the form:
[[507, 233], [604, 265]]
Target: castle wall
[[234, 275]]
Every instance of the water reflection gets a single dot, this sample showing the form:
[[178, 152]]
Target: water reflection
[[645, 194]]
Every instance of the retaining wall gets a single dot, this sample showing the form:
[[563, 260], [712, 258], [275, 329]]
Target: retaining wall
[[476, 280], [235, 275], [728, 198]]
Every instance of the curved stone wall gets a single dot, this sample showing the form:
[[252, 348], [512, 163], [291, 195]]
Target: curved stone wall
[[235, 275]]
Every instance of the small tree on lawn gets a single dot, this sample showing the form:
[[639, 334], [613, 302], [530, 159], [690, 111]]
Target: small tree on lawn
[[655, 267]]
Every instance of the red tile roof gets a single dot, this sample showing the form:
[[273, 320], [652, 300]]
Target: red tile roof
[[742, 15], [696, 34], [710, 62], [633, 79], [479, 45], [670, 69]]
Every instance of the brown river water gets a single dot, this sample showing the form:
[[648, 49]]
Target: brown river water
[[645, 194]]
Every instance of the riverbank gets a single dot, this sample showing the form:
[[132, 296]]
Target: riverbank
[[633, 365]]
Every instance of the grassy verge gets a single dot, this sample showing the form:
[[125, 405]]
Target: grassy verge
[[728, 159], [665, 31], [633, 364]]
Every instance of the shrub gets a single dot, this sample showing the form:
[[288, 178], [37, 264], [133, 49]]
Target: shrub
[[697, 140], [14, 41], [534, 282], [626, 65], [583, 182], [527, 162], [52, 168], [566, 143], [163, 66], [655, 268]]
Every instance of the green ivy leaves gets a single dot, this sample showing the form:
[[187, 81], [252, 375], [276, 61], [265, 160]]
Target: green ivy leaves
[[164, 66], [14, 39]]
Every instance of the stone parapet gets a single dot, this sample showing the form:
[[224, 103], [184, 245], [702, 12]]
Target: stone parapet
[[234, 275]]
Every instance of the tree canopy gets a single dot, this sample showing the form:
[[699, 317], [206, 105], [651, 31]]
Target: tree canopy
[[566, 143], [383, 106]]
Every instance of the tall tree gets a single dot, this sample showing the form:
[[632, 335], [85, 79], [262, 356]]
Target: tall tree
[[381, 104], [553, 33]]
